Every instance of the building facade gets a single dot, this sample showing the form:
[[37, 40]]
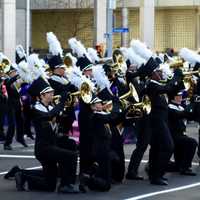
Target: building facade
[[176, 22]]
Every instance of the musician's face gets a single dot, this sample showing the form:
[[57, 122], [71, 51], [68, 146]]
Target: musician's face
[[98, 106], [60, 71], [47, 97], [178, 99], [157, 75], [88, 73]]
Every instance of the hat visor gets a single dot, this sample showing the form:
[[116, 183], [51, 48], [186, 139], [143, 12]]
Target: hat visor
[[60, 66], [95, 100], [47, 89], [88, 67]]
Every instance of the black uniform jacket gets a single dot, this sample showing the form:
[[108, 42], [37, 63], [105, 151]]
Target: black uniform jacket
[[60, 84], [43, 117], [177, 114]]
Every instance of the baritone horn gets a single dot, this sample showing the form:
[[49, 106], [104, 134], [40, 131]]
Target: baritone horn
[[189, 82], [131, 93], [138, 110], [85, 93]]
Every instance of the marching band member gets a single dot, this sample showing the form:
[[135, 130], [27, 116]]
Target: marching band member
[[184, 146], [59, 81], [14, 113], [46, 149], [101, 180], [161, 140]]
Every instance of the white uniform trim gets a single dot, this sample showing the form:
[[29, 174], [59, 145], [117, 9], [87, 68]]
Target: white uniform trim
[[59, 79], [176, 107]]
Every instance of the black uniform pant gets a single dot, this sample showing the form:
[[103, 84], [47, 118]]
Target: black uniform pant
[[86, 144], [185, 148], [143, 132], [27, 120], [117, 156], [101, 180], [2, 118], [14, 117], [55, 160], [162, 147]]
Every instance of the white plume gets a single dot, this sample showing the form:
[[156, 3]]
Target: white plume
[[36, 66], [77, 47], [141, 49], [92, 53], [166, 71], [3, 57], [77, 78], [54, 45], [100, 77], [20, 51], [125, 53], [191, 56], [135, 58], [25, 72], [74, 59]]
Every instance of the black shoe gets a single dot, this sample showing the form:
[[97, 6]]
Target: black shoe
[[7, 147], [84, 179], [158, 181], [133, 176], [70, 189], [165, 179], [31, 136], [187, 172], [20, 181], [2, 138], [22, 142], [11, 173], [94, 168]]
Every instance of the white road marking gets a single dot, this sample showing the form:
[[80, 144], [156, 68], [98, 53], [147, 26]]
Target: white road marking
[[16, 156], [32, 157], [30, 168], [164, 191]]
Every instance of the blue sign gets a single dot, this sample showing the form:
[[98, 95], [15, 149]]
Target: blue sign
[[120, 30]]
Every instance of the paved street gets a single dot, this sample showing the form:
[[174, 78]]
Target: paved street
[[180, 187]]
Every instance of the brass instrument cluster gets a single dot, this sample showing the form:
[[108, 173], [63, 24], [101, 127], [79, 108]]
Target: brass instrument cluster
[[85, 93], [4, 65]]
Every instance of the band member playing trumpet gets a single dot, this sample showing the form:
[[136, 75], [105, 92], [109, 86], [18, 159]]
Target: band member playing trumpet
[[49, 154], [60, 83], [161, 140], [101, 138]]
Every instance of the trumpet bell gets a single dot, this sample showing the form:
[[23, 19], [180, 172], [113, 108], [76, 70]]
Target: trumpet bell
[[147, 105], [138, 110], [87, 98], [86, 92]]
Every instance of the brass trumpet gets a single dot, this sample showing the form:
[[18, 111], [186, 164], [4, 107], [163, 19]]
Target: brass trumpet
[[68, 103], [137, 110], [190, 73]]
